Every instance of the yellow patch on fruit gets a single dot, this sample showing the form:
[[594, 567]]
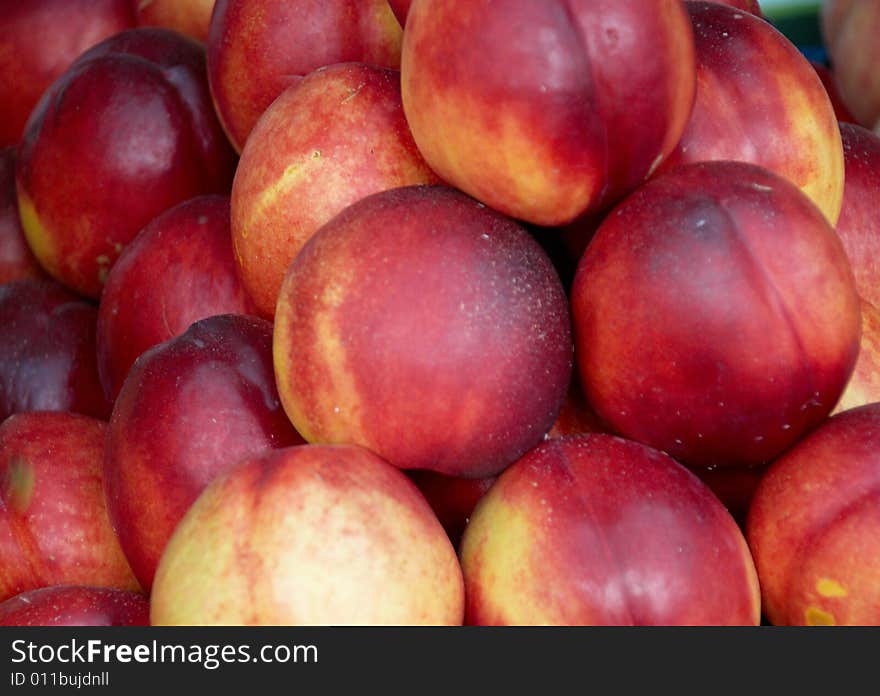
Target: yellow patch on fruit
[[830, 588], [329, 415], [819, 617], [495, 554], [339, 403], [823, 185], [18, 484], [37, 236], [385, 24], [864, 385], [531, 177], [278, 192], [103, 262]]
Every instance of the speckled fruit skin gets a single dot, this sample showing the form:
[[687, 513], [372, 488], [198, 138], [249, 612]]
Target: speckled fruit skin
[[521, 103], [180, 268], [850, 29], [864, 385], [759, 100], [189, 17], [814, 526], [189, 409], [125, 133], [326, 142], [715, 315], [597, 530], [310, 535], [47, 351], [76, 605], [17, 261], [54, 528], [40, 39], [257, 48], [859, 224], [426, 327]]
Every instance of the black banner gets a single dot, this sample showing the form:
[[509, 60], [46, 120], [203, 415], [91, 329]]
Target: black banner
[[456, 660]]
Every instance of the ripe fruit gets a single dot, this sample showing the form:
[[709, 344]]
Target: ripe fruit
[[814, 526], [716, 316], [190, 17], [596, 530], [309, 535], [47, 351], [850, 29], [124, 134], [54, 528], [40, 39], [189, 409], [76, 605], [759, 100], [426, 327], [327, 141], [177, 270], [17, 261], [257, 48], [546, 110]]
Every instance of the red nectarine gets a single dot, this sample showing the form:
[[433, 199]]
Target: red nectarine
[[426, 327], [596, 530], [309, 535], [716, 316]]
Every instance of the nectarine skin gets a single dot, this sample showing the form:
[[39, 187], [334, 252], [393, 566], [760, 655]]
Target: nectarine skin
[[547, 110], [597, 530], [190, 17], [864, 385], [47, 351], [189, 409], [759, 100], [40, 39], [125, 133], [830, 84], [715, 315], [180, 268], [859, 224], [850, 29], [76, 605], [310, 535], [832, 16], [324, 143], [426, 327], [17, 261], [257, 48], [814, 526], [54, 527]]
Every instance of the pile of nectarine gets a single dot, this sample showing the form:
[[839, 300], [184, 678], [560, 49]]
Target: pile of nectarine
[[438, 312]]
